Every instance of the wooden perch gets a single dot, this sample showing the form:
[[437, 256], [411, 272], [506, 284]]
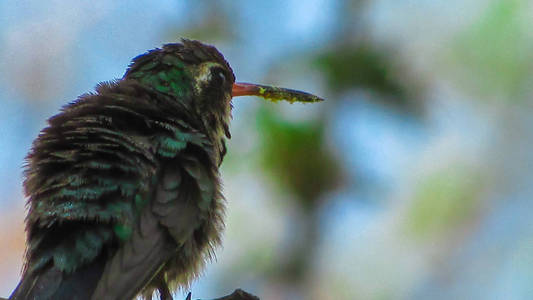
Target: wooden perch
[[238, 294]]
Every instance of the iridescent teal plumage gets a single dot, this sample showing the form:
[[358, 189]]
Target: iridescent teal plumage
[[123, 186]]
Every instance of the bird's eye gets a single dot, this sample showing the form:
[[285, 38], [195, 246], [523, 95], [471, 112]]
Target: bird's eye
[[218, 76], [221, 75]]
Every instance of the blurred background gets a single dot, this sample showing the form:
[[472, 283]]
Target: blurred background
[[412, 181]]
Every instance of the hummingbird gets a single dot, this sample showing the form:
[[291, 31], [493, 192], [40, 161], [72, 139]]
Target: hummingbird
[[123, 185]]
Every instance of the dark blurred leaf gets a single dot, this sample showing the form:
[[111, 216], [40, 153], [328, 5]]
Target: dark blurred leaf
[[347, 67], [296, 156]]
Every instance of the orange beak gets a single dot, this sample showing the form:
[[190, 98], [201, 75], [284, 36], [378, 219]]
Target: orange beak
[[244, 89], [272, 93]]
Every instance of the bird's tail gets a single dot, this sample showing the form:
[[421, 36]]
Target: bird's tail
[[51, 283]]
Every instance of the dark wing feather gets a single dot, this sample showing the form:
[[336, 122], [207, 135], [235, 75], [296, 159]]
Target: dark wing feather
[[136, 262], [165, 225]]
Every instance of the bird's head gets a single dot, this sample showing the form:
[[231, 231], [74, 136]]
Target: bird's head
[[198, 76]]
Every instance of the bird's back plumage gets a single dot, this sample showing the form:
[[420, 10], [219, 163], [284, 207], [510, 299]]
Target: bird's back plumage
[[123, 186]]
